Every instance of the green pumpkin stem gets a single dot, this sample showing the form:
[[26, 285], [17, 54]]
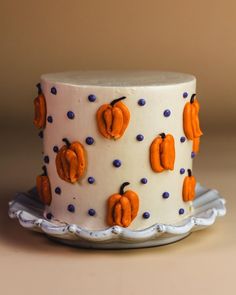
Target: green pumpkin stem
[[189, 172], [122, 187], [66, 141], [116, 100], [39, 88], [192, 98]]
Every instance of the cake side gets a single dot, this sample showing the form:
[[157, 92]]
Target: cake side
[[154, 110]]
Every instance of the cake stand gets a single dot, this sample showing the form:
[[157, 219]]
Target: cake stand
[[207, 206]]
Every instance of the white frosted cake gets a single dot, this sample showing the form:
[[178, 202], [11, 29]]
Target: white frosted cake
[[117, 147]]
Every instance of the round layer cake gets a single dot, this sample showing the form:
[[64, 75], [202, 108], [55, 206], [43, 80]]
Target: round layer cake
[[117, 147]]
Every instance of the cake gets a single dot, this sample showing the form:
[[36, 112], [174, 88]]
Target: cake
[[118, 147]]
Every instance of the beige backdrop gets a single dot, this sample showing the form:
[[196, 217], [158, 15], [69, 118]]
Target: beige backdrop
[[57, 35], [42, 36]]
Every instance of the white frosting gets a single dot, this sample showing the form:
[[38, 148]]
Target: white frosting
[[161, 91], [207, 205], [119, 78]]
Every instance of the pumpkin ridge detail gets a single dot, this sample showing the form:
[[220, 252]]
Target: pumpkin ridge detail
[[191, 123], [118, 214], [113, 119], [117, 121], [126, 210], [126, 116], [71, 161], [162, 153], [40, 109], [189, 187], [43, 187], [122, 207], [196, 145], [107, 117], [101, 120]]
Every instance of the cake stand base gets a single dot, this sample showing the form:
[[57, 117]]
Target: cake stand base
[[207, 206]]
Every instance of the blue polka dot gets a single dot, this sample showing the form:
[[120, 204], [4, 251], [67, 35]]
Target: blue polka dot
[[41, 134], [165, 195], [58, 190], [55, 149], [140, 137], [141, 102], [71, 208], [89, 140], [185, 94], [70, 115], [117, 163], [91, 180], [193, 155], [181, 211], [143, 180], [146, 215], [167, 113], [182, 139], [49, 216], [50, 119], [92, 98], [54, 90], [46, 159], [91, 212], [182, 171]]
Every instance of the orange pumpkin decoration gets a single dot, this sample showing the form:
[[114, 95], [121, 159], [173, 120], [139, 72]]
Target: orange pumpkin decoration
[[192, 128], [189, 187], [44, 188], [113, 119], [122, 207], [196, 144], [71, 161], [40, 109], [162, 153]]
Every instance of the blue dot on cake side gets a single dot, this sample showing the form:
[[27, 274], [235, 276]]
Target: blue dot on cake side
[[54, 90], [71, 208], [182, 171], [70, 115], [55, 149], [143, 180], [193, 155], [91, 180], [116, 163], [182, 139], [181, 211], [49, 119], [165, 195], [92, 98], [58, 190], [46, 159], [185, 94], [140, 137], [146, 215], [91, 212], [166, 113], [49, 216], [141, 102], [89, 140]]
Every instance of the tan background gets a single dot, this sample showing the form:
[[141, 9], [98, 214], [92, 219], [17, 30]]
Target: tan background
[[198, 37]]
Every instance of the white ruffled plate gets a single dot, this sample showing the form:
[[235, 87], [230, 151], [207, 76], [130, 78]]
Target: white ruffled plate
[[208, 205]]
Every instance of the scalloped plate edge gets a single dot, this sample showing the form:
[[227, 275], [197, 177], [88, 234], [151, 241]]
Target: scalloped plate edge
[[208, 205]]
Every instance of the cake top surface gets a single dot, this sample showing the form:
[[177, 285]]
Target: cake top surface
[[119, 78]]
